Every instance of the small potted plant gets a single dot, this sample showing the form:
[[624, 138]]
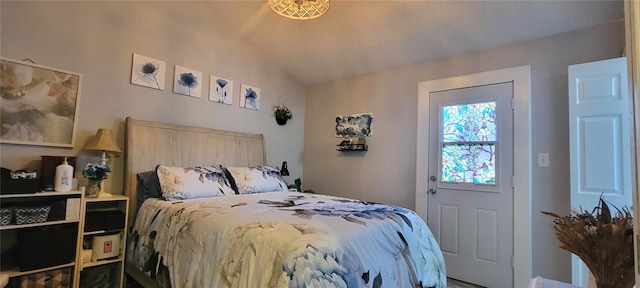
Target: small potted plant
[[282, 114], [95, 173]]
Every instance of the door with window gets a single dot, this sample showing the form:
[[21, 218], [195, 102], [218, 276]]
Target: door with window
[[470, 172]]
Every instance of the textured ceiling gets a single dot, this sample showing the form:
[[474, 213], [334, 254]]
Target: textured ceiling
[[356, 37]]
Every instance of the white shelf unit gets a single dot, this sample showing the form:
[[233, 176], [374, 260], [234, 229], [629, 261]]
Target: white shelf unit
[[117, 203], [38, 199]]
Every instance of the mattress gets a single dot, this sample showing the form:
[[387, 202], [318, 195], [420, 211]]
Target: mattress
[[283, 239]]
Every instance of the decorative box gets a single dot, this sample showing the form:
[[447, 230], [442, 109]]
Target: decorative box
[[30, 215], [105, 246], [6, 216], [99, 276], [103, 220], [47, 279], [41, 247], [16, 186]]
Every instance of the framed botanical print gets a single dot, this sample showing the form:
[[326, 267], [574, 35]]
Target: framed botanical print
[[148, 72], [249, 97]]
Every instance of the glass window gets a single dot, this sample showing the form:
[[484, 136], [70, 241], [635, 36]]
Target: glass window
[[469, 143]]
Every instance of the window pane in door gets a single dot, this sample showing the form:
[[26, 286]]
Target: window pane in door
[[469, 136], [469, 122], [469, 163]]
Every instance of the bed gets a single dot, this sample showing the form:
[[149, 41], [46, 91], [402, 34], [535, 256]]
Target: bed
[[251, 231]]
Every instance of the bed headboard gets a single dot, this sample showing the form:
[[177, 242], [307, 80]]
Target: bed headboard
[[151, 143]]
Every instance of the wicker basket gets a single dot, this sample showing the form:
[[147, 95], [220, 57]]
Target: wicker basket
[[30, 215], [6, 216]]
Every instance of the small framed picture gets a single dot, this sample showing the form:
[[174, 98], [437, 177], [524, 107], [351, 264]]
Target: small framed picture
[[220, 90], [187, 82], [148, 72], [249, 97]]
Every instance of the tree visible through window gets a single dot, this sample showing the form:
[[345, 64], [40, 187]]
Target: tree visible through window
[[469, 135]]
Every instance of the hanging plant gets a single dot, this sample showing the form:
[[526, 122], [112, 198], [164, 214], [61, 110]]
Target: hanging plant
[[282, 114]]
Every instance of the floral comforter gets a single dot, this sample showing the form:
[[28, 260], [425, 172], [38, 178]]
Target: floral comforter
[[283, 239]]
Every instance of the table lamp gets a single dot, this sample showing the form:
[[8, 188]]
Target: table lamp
[[105, 142]]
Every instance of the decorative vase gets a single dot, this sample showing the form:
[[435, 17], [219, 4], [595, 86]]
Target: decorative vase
[[281, 121], [93, 188]]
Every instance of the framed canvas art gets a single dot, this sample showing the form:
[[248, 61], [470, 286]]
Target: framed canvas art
[[249, 97], [39, 104], [355, 125], [220, 90], [148, 72], [187, 82]]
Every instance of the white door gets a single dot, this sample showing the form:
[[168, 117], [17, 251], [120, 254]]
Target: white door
[[600, 151], [470, 205]]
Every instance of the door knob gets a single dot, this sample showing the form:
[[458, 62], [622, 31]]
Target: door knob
[[433, 191]]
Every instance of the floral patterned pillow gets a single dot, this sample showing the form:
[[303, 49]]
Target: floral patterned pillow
[[257, 179], [179, 183]]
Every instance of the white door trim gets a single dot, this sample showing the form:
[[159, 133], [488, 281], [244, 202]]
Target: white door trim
[[522, 161]]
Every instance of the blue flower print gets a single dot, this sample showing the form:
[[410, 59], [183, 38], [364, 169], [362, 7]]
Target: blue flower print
[[150, 70], [222, 94], [188, 80], [250, 97]]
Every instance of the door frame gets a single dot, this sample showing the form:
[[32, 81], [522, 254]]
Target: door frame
[[632, 45], [522, 162]]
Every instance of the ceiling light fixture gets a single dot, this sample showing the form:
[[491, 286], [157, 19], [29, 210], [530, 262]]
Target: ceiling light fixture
[[300, 9]]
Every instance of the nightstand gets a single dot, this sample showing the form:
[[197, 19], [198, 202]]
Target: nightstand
[[102, 248]]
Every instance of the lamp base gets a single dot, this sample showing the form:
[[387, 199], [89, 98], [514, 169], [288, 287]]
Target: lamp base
[[104, 194]]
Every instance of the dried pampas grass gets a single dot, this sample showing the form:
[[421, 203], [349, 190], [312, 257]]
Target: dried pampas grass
[[603, 241]]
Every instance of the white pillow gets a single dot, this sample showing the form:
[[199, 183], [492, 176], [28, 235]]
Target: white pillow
[[257, 179], [178, 183]]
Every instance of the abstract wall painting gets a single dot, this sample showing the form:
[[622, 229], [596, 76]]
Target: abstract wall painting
[[148, 72], [187, 82], [249, 97], [39, 104], [220, 90], [356, 125]]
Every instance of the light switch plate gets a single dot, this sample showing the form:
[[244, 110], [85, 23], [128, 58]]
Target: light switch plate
[[543, 159]]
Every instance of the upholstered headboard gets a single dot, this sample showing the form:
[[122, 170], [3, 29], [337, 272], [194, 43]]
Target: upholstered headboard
[[151, 143]]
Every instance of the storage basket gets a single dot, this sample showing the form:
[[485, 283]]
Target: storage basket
[[30, 215], [46, 246], [59, 278], [6, 215]]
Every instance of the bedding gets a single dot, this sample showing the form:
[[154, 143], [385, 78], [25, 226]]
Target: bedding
[[283, 239], [179, 183], [257, 179]]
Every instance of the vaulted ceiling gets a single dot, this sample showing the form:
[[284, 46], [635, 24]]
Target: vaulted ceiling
[[356, 37]]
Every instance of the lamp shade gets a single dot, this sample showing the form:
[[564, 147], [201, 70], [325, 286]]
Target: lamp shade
[[300, 9], [103, 141]]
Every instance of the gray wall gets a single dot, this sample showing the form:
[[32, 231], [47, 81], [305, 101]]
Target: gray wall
[[97, 39], [386, 173]]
